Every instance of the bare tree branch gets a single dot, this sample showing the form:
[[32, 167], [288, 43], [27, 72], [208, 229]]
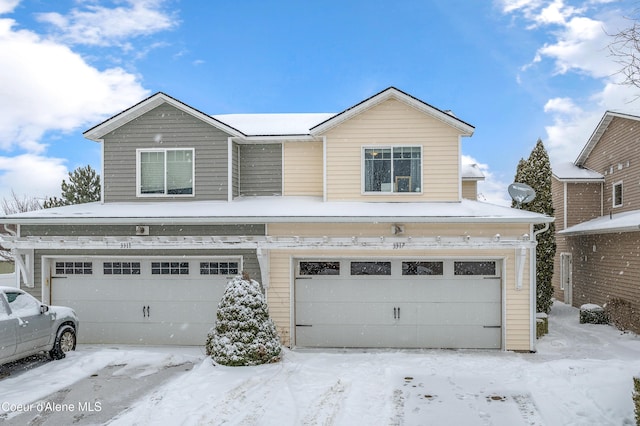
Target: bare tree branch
[[625, 49], [12, 205]]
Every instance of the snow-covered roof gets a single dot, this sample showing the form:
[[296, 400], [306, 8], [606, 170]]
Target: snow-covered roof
[[617, 222], [471, 172], [273, 124], [570, 172], [276, 209]]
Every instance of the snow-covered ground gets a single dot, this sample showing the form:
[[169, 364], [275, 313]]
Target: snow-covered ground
[[581, 375]]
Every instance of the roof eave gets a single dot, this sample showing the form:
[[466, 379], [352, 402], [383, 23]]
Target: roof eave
[[97, 132], [466, 129]]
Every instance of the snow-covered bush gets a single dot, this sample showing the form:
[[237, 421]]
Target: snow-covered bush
[[593, 314], [542, 324], [244, 334]]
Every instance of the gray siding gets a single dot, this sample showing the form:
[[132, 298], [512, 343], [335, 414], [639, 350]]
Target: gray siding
[[261, 169], [235, 179], [167, 127], [129, 230]]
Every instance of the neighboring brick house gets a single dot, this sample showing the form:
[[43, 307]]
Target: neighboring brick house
[[597, 205]]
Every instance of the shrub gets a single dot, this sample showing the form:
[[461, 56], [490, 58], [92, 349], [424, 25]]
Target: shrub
[[542, 324], [244, 334], [593, 314], [622, 315]]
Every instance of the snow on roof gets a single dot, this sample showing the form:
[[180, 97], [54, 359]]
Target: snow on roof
[[617, 222], [472, 172], [275, 209], [273, 124], [569, 171]]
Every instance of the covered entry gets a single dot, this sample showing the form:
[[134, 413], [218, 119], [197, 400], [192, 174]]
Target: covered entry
[[399, 303]]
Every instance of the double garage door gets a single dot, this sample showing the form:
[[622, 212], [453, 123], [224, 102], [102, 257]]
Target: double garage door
[[151, 301], [398, 303]]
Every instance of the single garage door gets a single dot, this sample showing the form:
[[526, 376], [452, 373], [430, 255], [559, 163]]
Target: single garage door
[[150, 301], [398, 303]]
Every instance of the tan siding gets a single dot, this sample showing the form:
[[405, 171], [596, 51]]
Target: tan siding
[[384, 229], [303, 168], [470, 189], [517, 302], [397, 124], [617, 156]]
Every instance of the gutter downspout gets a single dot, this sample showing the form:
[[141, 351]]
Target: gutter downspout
[[230, 168], [534, 283]]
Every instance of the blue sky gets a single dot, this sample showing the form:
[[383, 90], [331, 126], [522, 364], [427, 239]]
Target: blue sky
[[517, 70]]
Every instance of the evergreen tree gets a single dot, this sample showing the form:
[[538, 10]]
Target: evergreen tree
[[83, 187], [536, 172], [244, 334]]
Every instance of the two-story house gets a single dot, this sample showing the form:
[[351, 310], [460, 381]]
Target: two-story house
[[597, 205], [356, 223]]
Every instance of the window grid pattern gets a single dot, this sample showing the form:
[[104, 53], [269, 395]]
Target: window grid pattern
[[121, 268], [74, 268], [169, 268], [219, 268]]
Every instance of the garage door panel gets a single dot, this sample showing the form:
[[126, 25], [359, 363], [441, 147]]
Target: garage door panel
[[144, 334], [356, 336], [458, 337], [343, 313], [443, 310], [459, 314]]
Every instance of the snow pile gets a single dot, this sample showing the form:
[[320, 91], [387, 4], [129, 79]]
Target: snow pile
[[244, 334]]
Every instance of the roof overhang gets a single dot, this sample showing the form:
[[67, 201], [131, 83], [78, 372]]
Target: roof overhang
[[598, 132], [609, 224], [97, 132], [261, 210], [464, 128]]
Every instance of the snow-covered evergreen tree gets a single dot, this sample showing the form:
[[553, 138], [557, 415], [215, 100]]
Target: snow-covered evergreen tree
[[536, 172], [244, 334]]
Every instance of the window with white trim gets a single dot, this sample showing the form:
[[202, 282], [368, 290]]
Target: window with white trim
[[165, 172], [392, 169], [617, 194]]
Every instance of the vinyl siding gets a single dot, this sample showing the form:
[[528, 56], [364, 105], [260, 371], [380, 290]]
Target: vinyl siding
[[393, 123], [606, 266], [617, 157], [129, 230], [583, 204], [260, 169], [303, 168], [470, 190], [165, 127]]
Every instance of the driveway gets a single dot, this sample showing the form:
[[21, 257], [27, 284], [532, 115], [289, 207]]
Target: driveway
[[581, 375]]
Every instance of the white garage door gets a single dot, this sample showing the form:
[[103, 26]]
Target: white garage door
[[398, 303], [151, 301]]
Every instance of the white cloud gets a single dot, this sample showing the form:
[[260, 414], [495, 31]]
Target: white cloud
[[102, 26], [7, 6], [580, 40], [47, 87], [17, 174], [493, 189]]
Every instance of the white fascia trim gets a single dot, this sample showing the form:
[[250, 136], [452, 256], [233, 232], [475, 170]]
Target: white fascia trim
[[102, 185], [564, 200], [533, 292], [324, 169]]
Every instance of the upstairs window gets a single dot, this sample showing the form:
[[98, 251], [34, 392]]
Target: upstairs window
[[617, 194], [165, 172], [392, 169]]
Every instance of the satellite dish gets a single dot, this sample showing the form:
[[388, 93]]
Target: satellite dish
[[521, 193]]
